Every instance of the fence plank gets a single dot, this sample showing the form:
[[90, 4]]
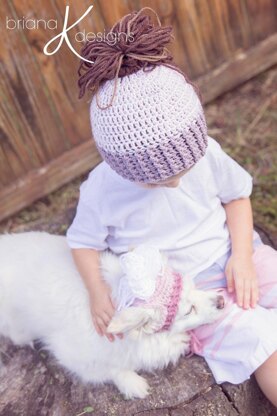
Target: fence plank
[[40, 182], [244, 66], [219, 43], [262, 17]]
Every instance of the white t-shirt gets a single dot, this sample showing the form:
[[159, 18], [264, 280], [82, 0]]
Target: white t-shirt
[[188, 223]]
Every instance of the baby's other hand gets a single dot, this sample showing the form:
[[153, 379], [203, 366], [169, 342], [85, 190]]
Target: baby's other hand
[[102, 309], [241, 277]]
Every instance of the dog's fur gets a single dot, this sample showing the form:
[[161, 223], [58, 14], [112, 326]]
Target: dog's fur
[[42, 296]]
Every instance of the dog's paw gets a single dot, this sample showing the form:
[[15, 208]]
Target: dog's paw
[[131, 385], [138, 388], [181, 339], [179, 344]]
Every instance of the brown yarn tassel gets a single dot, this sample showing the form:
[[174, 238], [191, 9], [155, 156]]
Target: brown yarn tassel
[[125, 57]]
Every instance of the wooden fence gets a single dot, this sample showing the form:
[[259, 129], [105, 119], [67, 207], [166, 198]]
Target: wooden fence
[[45, 137]]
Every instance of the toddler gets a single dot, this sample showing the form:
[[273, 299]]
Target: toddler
[[165, 182]]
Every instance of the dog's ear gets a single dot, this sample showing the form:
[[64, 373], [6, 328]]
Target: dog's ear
[[130, 319]]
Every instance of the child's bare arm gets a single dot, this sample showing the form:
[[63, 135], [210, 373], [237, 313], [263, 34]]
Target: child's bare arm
[[102, 308], [240, 224], [240, 271]]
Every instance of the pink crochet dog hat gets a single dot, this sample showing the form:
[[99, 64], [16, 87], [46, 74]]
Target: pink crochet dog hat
[[149, 283], [146, 118]]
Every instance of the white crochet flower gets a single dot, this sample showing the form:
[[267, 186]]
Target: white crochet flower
[[141, 268]]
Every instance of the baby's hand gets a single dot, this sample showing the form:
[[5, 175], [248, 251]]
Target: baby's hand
[[102, 309], [241, 277]]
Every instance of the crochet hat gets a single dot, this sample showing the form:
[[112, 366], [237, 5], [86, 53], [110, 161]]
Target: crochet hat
[[155, 127], [146, 117], [149, 283]]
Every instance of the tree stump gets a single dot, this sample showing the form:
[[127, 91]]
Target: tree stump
[[33, 384]]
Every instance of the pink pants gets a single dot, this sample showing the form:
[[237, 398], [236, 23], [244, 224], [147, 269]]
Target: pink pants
[[241, 340]]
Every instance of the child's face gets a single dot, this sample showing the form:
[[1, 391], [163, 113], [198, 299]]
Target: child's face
[[171, 182]]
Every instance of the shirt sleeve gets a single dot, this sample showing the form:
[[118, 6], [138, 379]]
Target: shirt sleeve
[[87, 229], [233, 181]]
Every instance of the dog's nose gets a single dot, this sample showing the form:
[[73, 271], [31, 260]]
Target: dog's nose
[[219, 302]]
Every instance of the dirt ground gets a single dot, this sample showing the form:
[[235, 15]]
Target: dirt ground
[[244, 121]]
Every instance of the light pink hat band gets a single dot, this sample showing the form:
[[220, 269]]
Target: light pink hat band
[[172, 306], [166, 298]]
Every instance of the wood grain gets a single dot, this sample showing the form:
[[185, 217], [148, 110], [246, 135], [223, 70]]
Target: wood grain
[[40, 182], [219, 43]]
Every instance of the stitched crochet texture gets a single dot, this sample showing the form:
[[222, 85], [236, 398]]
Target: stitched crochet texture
[[153, 284], [155, 128], [165, 298]]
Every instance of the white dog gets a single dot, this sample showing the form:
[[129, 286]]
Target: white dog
[[42, 296]]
